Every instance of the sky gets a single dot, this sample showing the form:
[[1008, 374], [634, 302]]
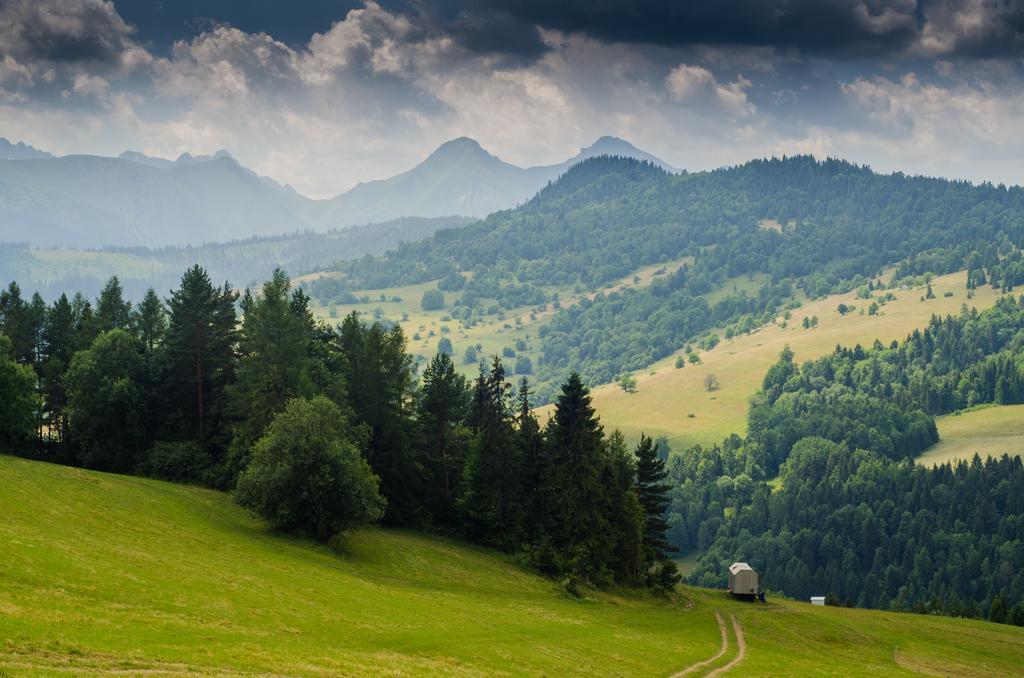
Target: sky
[[324, 94]]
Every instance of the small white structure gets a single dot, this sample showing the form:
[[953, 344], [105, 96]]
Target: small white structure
[[817, 600], [743, 580]]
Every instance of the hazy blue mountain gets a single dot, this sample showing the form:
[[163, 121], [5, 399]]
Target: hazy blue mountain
[[138, 200], [460, 177], [89, 201], [20, 151]]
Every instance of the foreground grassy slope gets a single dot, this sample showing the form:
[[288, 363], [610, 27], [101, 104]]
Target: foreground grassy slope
[[666, 396], [991, 430], [102, 572]]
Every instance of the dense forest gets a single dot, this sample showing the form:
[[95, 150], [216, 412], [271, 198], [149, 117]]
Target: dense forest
[[320, 429], [853, 516], [839, 226]]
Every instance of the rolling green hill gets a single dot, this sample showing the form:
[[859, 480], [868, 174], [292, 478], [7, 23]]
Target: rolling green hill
[[104, 573], [666, 396]]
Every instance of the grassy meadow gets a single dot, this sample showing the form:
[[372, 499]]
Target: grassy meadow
[[102, 573], [989, 430], [673, 402]]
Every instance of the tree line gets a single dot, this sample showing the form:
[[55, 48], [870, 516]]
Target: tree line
[[320, 429]]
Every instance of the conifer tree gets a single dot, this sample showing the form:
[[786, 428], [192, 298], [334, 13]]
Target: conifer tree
[[150, 321], [440, 416], [579, 528], [652, 490], [273, 361], [534, 466], [16, 323], [200, 342], [625, 515], [59, 336], [378, 376], [491, 480], [112, 311]]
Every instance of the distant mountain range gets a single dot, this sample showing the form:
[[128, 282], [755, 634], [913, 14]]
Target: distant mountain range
[[138, 200]]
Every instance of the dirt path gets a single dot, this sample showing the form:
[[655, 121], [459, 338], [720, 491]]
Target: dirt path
[[741, 643], [721, 651]]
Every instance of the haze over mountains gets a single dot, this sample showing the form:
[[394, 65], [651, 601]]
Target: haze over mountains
[[137, 200]]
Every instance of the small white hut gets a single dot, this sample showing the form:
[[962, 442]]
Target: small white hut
[[743, 580], [817, 600]]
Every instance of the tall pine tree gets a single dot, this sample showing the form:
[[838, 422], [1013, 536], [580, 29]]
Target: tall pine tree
[[440, 418], [200, 343], [652, 490], [579, 529], [491, 502]]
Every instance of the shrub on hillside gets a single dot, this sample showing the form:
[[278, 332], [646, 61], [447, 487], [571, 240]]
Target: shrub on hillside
[[433, 300], [307, 472]]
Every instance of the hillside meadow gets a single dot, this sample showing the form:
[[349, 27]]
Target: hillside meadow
[[492, 334], [102, 573], [989, 430], [666, 397]]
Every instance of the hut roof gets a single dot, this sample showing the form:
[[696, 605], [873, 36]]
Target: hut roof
[[740, 567]]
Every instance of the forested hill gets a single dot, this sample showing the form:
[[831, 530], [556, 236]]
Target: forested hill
[[823, 226], [608, 216]]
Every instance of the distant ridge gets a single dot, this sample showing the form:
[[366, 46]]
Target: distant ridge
[[140, 200], [20, 151]]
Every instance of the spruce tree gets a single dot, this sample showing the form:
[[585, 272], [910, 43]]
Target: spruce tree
[[16, 323], [112, 311], [379, 382], [273, 361], [579, 529], [59, 336], [440, 415], [534, 466], [150, 321], [652, 491], [200, 344], [491, 502], [625, 515]]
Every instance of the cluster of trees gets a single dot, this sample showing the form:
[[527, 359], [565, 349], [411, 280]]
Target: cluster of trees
[[849, 513], [885, 398], [322, 428], [886, 534]]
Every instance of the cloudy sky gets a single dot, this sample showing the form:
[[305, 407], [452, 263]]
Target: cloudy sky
[[325, 93]]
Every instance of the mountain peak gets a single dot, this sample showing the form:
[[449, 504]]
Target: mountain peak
[[460, 147], [610, 145], [20, 151]]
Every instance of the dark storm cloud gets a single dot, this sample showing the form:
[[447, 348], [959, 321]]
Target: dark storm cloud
[[495, 31], [821, 27], [62, 31]]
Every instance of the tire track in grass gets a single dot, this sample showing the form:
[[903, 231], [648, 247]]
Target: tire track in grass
[[741, 643], [721, 651]]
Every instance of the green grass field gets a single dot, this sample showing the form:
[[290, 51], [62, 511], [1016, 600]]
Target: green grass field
[[102, 573], [666, 396], [991, 430]]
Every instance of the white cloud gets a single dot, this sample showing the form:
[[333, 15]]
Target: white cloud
[[696, 84]]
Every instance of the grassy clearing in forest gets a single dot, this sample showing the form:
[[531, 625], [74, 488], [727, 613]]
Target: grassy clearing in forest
[[990, 431]]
